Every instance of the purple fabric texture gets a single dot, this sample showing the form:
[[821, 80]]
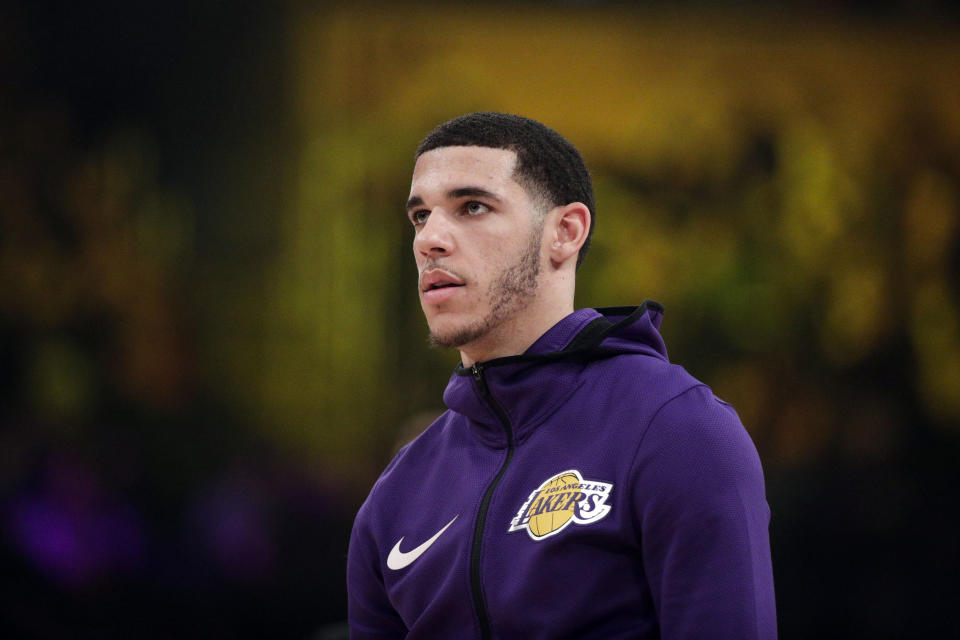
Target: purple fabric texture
[[630, 503]]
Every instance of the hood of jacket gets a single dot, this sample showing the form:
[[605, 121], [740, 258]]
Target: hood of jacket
[[506, 398]]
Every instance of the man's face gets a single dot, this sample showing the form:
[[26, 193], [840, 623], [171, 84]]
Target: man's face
[[477, 243]]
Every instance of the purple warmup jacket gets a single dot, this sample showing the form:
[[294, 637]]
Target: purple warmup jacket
[[585, 489]]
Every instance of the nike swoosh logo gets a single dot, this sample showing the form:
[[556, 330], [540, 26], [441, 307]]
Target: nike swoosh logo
[[398, 559]]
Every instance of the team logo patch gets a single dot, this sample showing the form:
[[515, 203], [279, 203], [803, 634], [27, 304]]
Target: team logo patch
[[560, 500]]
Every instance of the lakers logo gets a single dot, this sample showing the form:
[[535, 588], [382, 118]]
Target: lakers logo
[[562, 499]]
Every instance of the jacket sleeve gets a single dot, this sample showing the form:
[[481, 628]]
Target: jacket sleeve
[[701, 509], [369, 611]]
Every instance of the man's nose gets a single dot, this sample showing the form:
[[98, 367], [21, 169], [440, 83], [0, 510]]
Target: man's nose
[[434, 238]]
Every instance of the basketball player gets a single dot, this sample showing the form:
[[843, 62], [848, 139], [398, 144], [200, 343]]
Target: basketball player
[[580, 485]]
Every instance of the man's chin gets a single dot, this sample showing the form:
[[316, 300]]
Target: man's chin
[[447, 340], [441, 341], [454, 337]]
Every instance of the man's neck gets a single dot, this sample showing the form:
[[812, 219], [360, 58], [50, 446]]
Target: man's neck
[[515, 337]]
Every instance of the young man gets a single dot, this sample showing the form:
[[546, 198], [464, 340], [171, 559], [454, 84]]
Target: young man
[[580, 485]]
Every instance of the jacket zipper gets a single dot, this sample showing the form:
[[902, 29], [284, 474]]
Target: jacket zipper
[[479, 602]]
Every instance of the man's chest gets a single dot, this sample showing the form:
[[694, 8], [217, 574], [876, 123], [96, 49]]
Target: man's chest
[[493, 533]]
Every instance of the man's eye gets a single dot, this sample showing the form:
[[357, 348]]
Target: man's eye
[[419, 217], [476, 208]]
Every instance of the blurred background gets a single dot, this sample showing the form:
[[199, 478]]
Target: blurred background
[[211, 342]]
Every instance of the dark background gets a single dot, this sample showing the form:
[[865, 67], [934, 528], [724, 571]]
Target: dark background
[[208, 352]]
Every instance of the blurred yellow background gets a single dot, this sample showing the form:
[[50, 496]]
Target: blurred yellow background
[[780, 185]]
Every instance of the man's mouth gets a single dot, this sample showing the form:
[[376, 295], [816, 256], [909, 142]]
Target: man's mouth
[[438, 279], [437, 286]]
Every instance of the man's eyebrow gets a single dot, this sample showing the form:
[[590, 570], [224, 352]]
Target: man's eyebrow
[[456, 194], [472, 192]]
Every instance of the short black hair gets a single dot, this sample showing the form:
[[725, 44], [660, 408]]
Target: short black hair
[[548, 166]]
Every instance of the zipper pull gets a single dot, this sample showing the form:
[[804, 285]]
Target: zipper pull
[[477, 371]]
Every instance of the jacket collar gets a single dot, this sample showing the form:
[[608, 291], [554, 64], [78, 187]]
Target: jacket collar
[[529, 388]]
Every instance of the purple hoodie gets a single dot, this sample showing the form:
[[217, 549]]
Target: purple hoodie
[[585, 489]]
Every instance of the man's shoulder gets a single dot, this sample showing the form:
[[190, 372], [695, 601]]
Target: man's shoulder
[[641, 373], [655, 393]]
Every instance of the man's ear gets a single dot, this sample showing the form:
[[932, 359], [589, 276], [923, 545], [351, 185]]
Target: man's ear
[[567, 229]]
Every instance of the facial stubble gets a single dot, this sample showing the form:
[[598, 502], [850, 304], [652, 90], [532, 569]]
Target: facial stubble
[[509, 293]]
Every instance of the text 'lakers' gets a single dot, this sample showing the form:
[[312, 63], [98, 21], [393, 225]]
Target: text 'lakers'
[[560, 500]]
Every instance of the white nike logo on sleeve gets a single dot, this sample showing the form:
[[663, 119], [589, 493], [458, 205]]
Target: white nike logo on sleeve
[[398, 559]]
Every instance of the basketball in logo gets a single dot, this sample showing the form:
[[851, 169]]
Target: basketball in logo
[[546, 522]]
